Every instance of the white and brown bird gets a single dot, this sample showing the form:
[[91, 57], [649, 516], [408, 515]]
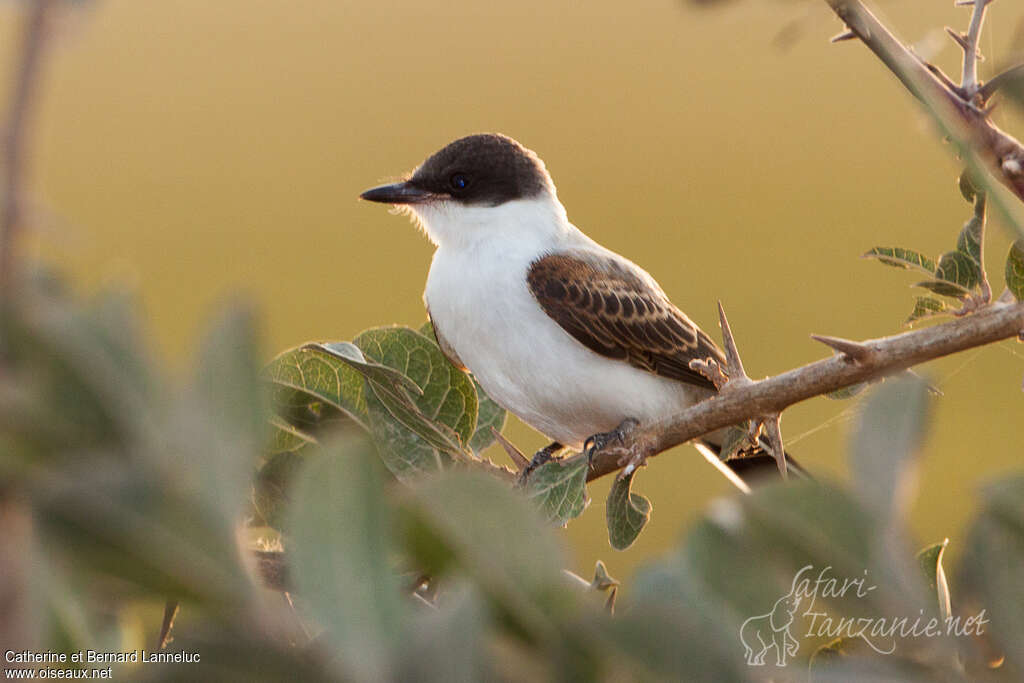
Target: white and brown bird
[[574, 339]]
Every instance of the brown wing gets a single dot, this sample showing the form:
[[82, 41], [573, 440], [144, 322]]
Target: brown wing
[[619, 313]]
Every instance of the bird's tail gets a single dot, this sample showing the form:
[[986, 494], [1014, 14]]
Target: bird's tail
[[750, 466]]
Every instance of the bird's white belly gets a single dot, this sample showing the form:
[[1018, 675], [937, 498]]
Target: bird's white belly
[[527, 363]]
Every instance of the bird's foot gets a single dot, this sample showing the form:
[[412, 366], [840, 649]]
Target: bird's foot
[[604, 440], [539, 458]]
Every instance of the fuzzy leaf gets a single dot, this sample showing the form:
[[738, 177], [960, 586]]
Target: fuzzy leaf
[[989, 576], [927, 307], [1015, 270], [930, 559], [558, 489], [959, 268], [847, 392], [899, 257], [889, 431], [626, 513], [341, 536]]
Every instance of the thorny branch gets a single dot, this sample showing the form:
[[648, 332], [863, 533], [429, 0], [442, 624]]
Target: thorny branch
[[854, 363], [958, 109]]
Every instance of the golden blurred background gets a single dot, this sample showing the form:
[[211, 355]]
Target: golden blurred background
[[198, 150]]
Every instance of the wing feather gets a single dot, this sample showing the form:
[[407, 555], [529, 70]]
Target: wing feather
[[616, 310]]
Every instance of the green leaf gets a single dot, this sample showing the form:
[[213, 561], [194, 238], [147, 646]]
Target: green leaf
[[930, 559], [967, 188], [889, 431], [959, 268], [447, 397], [285, 437], [950, 289], [341, 542], [489, 413], [902, 258], [847, 392], [309, 374], [626, 513], [558, 489], [927, 307], [404, 448], [1015, 270], [969, 240]]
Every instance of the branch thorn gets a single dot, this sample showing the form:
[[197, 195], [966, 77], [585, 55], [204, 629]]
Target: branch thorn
[[773, 430], [840, 37], [855, 351], [734, 366], [521, 461], [959, 38]]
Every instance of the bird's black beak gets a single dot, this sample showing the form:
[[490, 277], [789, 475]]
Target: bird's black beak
[[396, 193]]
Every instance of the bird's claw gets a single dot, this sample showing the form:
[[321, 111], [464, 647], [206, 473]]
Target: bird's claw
[[598, 442], [541, 457]]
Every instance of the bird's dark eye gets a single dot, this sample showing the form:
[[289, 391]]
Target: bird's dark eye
[[459, 181]]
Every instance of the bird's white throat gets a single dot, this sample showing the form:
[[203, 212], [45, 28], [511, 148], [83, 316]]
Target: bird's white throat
[[539, 220]]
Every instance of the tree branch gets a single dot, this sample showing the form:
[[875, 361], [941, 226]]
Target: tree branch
[[885, 356], [21, 103], [955, 108]]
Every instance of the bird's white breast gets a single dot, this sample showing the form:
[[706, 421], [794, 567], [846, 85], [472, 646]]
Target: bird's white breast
[[480, 302]]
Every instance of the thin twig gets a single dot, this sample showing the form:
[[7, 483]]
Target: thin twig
[[19, 116], [888, 356], [170, 612], [981, 143], [969, 82]]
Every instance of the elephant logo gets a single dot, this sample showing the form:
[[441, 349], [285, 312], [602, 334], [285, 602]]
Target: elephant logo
[[766, 631]]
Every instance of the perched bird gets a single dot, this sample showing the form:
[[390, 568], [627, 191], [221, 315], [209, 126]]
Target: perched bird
[[576, 340]]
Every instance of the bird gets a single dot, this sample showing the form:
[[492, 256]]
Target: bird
[[574, 339]]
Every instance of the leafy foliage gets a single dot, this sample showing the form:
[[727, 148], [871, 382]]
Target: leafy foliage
[[139, 489], [959, 274]]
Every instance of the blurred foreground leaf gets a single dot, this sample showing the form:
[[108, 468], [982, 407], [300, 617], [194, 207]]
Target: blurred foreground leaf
[[340, 545], [889, 431], [930, 559], [990, 572]]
